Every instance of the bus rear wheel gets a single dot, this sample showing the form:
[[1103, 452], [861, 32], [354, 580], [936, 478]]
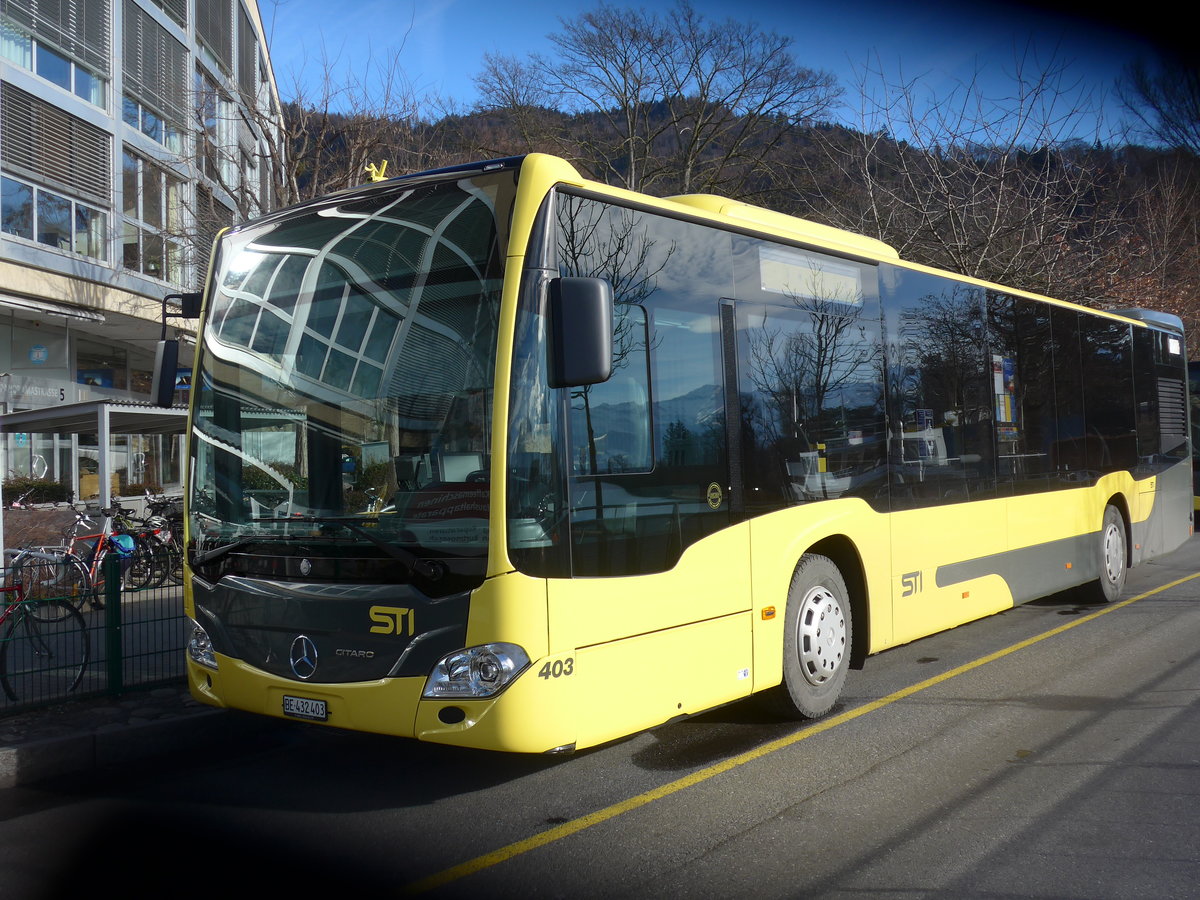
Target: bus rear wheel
[[818, 628], [1114, 557]]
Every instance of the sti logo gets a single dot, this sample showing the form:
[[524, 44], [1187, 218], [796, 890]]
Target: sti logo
[[393, 620], [911, 582]]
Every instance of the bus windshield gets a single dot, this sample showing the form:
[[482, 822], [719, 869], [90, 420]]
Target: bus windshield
[[345, 372]]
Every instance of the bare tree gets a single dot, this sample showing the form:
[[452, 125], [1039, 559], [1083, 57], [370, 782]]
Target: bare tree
[[649, 100], [263, 152], [995, 187], [607, 67], [333, 127], [1164, 98], [1156, 260], [514, 89], [732, 92], [322, 134]]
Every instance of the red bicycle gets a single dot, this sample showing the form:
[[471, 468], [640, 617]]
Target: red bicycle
[[45, 648], [74, 570]]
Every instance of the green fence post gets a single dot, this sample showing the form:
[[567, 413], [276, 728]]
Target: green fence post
[[112, 623]]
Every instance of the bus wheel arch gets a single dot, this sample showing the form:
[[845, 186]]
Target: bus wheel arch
[[840, 550], [817, 640]]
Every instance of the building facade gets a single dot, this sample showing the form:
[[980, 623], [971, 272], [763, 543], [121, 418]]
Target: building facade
[[131, 132]]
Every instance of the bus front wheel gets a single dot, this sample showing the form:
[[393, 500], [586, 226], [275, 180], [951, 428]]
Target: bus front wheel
[[1114, 557], [816, 639]]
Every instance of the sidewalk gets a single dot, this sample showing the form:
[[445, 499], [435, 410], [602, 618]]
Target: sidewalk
[[84, 735]]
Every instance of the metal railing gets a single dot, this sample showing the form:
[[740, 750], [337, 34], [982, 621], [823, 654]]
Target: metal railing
[[132, 639]]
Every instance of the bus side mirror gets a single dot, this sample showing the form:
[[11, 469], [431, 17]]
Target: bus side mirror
[[581, 331], [166, 364], [189, 305]]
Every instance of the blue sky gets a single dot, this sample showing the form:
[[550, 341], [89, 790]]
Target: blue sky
[[939, 42]]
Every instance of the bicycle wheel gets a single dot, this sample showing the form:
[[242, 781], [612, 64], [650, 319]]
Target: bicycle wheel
[[96, 569], [161, 554], [175, 563], [138, 570], [52, 573], [35, 572], [43, 657]]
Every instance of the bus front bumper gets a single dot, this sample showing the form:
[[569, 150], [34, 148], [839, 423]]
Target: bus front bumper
[[532, 715]]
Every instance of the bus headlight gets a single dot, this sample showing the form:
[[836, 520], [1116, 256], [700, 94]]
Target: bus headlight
[[481, 671], [200, 648]]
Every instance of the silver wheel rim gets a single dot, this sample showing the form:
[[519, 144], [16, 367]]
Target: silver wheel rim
[[1114, 553], [820, 635]]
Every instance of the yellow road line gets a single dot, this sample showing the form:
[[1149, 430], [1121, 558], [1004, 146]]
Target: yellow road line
[[479, 863]]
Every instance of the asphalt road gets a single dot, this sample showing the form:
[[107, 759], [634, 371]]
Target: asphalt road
[[1049, 751]]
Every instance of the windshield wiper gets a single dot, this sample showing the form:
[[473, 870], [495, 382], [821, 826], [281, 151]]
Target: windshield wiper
[[415, 563]]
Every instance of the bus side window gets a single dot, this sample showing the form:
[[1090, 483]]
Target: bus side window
[[1024, 393], [942, 446], [812, 403], [610, 421], [645, 458]]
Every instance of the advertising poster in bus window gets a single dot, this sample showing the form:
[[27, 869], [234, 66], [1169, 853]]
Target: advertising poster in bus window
[[1004, 391]]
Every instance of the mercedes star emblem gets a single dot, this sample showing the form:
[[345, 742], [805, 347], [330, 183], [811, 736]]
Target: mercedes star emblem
[[304, 657]]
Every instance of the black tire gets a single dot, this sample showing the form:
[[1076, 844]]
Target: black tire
[[77, 583], [43, 657], [162, 563], [1113, 557], [36, 573], [101, 579], [159, 563], [817, 637], [137, 571], [174, 563]]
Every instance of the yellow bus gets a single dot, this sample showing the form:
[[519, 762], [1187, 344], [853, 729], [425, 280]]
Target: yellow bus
[[498, 456]]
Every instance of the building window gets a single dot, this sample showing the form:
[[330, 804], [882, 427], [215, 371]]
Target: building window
[[151, 124], [16, 208], [100, 365], [16, 45], [247, 53], [151, 238], [214, 28], [211, 217], [155, 79], [215, 114], [37, 214], [22, 49], [176, 9], [42, 143]]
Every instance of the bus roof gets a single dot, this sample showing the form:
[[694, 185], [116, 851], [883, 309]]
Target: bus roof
[[739, 215]]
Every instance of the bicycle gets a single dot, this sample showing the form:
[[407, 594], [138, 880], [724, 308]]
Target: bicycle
[[21, 501], [74, 571], [112, 538], [45, 648], [150, 563], [24, 502], [165, 515]]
